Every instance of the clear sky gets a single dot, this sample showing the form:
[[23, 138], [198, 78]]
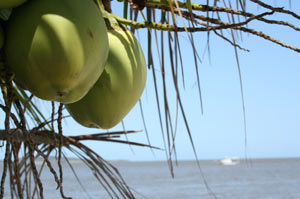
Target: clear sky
[[271, 83]]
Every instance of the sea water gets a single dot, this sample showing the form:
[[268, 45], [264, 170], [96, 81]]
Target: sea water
[[254, 179]]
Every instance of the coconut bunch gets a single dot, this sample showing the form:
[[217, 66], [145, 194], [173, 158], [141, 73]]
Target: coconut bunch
[[66, 51]]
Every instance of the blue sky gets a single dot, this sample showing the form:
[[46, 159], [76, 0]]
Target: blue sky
[[271, 83]]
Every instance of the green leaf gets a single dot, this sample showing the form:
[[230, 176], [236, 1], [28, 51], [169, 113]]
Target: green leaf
[[125, 9], [189, 6], [172, 11], [33, 111]]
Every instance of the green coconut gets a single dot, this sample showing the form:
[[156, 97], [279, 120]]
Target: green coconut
[[57, 48], [10, 3], [118, 88], [1, 37]]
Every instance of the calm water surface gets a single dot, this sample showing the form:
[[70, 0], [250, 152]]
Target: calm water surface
[[263, 179]]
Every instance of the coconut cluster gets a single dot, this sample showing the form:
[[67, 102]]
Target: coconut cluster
[[61, 50]]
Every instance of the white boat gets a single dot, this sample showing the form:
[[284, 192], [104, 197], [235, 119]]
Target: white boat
[[230, 161]]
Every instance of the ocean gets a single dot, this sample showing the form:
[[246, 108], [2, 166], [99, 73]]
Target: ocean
[[255, 179]]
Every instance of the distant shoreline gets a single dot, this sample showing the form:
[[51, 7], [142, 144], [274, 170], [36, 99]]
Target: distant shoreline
[[242, 160]]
